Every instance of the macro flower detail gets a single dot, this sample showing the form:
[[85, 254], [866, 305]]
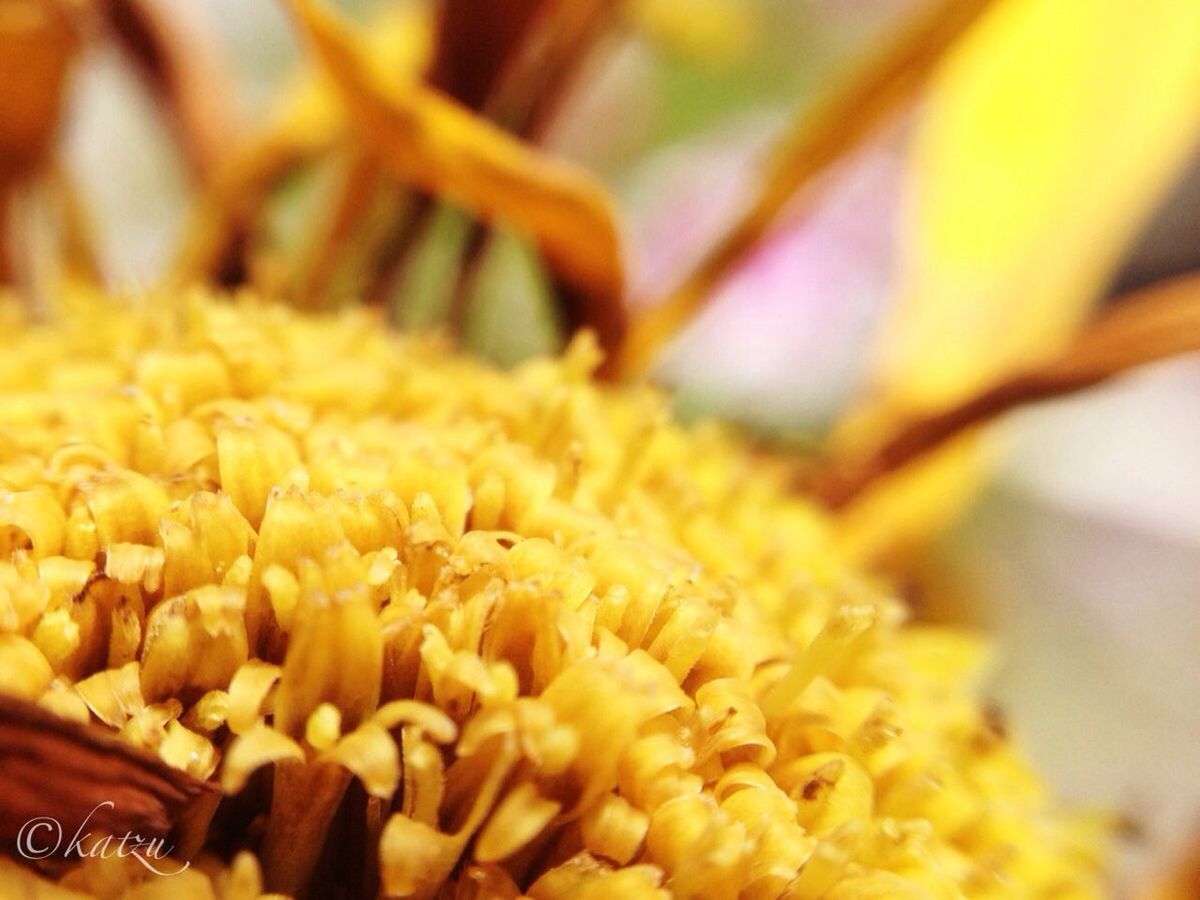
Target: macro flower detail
[[436, 629], [362, 532]]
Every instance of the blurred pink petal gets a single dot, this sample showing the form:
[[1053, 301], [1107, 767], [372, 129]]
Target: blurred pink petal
[[781, 342]]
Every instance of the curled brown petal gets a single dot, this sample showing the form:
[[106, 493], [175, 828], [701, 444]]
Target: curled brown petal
[[433, 142]]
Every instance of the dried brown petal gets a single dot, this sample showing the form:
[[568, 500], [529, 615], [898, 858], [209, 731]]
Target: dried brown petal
[[50, 767]]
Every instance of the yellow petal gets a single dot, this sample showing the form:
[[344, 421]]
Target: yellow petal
[[134, 564], [335, 655], [324, 727], [1049, 134], [431, 720], [18, 881], [62, 700], [243, 881], [253, 459], [583, 877], [126, 507], [1048, 137], [194, 643], [830, 789], [258, 747], [32, 516], [518, 819], [878, 886], [414, 857], [187, 750], [370, 753], [247, 692], [24, 671], [113, 695]]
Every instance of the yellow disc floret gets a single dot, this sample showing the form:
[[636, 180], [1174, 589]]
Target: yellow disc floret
[[473, 633]]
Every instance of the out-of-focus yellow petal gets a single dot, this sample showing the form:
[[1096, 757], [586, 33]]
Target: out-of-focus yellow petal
[[247, 691], [583, 877], [1049, 135], [24, 671], [36, 518], [113, 695], [1050, 132], [431, 720]]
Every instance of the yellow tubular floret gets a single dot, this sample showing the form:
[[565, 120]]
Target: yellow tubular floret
[[474, 633]]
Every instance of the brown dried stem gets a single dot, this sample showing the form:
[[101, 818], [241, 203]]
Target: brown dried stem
[[1153, 324], [530, 89], [476, 39], [823, 134], [474, 42], [524, 101]]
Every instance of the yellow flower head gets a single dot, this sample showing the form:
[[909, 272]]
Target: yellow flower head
[[441, 630]]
